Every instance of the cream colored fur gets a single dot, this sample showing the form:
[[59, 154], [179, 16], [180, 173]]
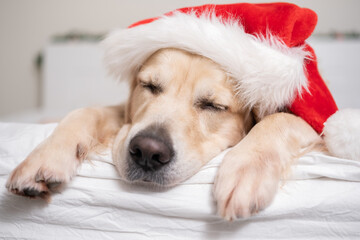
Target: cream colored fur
[[199, 108]]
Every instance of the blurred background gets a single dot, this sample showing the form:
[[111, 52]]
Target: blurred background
[[50, 61]]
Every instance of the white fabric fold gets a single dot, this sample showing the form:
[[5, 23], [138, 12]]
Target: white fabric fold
[[321, 199]]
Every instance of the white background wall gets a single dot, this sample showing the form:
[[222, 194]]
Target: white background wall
[[26, 27]]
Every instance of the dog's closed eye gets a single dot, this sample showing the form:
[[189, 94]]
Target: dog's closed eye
[[152, 87], [206, 104]]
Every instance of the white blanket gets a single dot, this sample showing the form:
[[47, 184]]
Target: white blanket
[[320, 201]]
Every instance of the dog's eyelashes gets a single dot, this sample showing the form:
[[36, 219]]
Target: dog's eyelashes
[[153, 88], [207, 105]]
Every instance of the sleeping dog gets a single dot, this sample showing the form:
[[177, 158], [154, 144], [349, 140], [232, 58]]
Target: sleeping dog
[[201, 82], [174, 122]]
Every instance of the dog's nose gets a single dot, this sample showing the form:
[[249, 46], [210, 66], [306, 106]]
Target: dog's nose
[[149, 153]]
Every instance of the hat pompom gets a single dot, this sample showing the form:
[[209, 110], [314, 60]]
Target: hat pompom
[[342, 134]]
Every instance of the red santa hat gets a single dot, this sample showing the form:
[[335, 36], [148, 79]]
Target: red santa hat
[[261, 46]]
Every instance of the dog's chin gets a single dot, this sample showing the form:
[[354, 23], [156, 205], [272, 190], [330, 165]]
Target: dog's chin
[[156, 179], [151, 185]]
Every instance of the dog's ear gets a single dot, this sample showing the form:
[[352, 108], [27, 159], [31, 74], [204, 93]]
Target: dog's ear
[[249, 120], [257, 116], [255, 113]]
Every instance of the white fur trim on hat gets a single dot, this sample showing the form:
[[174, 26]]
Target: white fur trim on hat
[[342, 134], [267, 73]]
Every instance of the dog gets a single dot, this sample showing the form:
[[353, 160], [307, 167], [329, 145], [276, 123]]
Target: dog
[[182, 111]]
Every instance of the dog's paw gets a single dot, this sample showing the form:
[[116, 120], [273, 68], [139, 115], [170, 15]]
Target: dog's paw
[[44, 171], [245, 185]]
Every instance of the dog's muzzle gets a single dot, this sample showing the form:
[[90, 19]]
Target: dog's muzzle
[[149, 153]]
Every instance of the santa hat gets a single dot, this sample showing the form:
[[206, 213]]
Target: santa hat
[[261, 46]]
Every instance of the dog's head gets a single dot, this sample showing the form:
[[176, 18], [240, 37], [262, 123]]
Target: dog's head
[[182, 111]]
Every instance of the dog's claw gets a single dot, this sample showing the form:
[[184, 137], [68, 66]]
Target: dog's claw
[[31, 192]]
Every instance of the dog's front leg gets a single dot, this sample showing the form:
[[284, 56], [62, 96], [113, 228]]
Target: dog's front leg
[[57, 158], [250, 173]]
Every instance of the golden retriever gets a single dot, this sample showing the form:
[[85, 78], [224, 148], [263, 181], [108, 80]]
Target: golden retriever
[[182, 112]]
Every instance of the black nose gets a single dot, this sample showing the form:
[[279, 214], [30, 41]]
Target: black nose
[[149, 153]]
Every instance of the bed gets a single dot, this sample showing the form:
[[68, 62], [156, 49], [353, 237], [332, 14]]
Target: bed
[[321, 200]]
